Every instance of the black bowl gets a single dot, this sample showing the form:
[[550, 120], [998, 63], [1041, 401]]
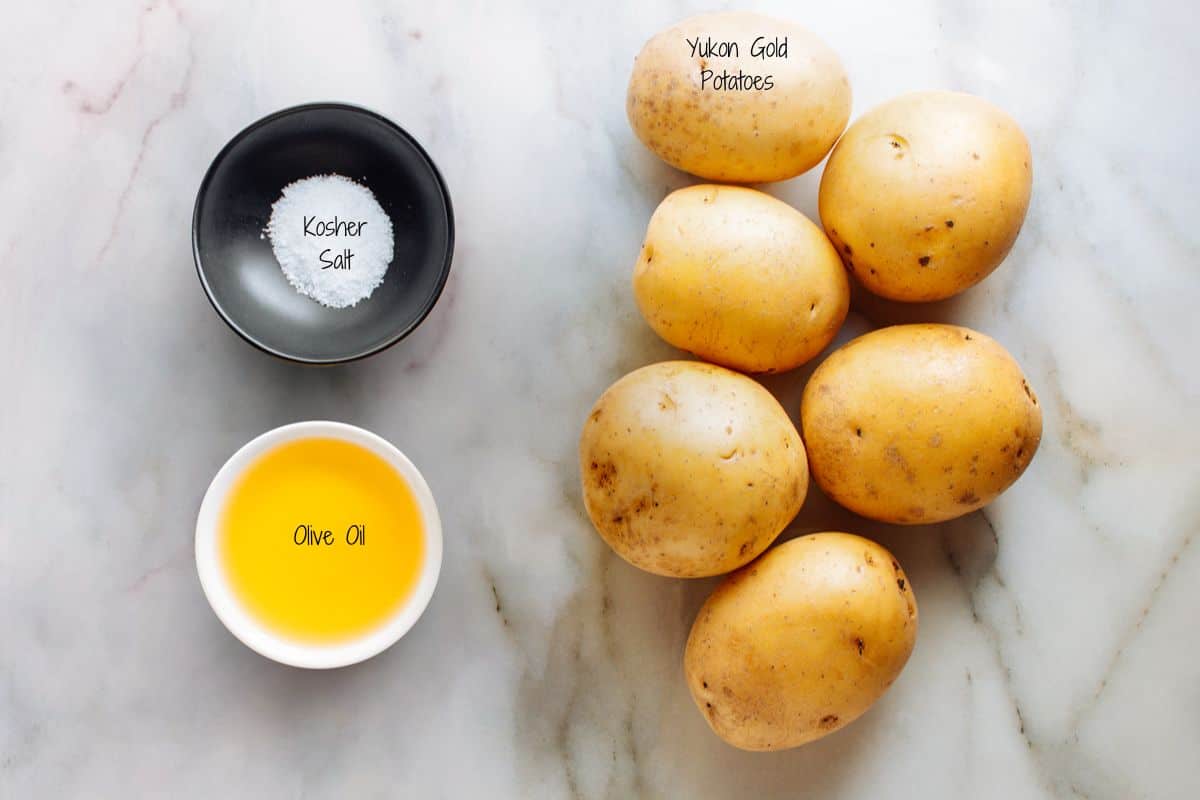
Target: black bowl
[[239, 272]]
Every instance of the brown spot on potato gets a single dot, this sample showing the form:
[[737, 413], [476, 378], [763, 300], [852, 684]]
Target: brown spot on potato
[[828, 721], [896, 457], [968, 498], [949, 223], [900, 582], [603, 473], [898, 144], [858, 643], [923, 261]]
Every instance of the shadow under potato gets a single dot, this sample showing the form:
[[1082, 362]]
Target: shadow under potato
[[968, 543], [967, 546]]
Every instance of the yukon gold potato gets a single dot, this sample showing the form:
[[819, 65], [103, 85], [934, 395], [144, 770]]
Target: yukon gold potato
[[690, 469], [740, 279], [738, 97], [925, 194], [919, 423], [801, 642]]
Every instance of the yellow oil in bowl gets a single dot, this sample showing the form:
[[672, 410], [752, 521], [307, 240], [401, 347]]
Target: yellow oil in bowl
[[321, 540]]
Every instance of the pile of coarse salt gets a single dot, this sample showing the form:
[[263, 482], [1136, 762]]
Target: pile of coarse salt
[[332, 239]]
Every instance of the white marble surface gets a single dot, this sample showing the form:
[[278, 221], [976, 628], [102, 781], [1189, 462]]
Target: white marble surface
[[1058, 654]]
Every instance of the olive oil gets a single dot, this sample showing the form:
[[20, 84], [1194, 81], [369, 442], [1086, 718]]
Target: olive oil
[[321, 540]]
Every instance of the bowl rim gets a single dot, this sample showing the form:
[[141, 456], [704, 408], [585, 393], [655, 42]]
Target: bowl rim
[[269, 119], [242, 624]]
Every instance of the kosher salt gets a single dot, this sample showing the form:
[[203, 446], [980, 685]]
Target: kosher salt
[[331, 238]]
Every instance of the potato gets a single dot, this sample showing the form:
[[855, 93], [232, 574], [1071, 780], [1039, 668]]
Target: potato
[[690, 469], [699, 97], [925, 194], [801, 642], [919, 423], [740, 279]]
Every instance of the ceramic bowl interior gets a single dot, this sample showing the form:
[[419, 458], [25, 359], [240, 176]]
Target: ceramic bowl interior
[[238, 269], [246, 627]]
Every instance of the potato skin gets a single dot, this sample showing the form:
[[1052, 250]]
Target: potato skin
[[740, 279], [925, 194], [917, 424], [801, 642], [690, 469], [736, 136]]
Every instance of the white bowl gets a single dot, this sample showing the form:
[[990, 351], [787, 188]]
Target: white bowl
[[244, 626]]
